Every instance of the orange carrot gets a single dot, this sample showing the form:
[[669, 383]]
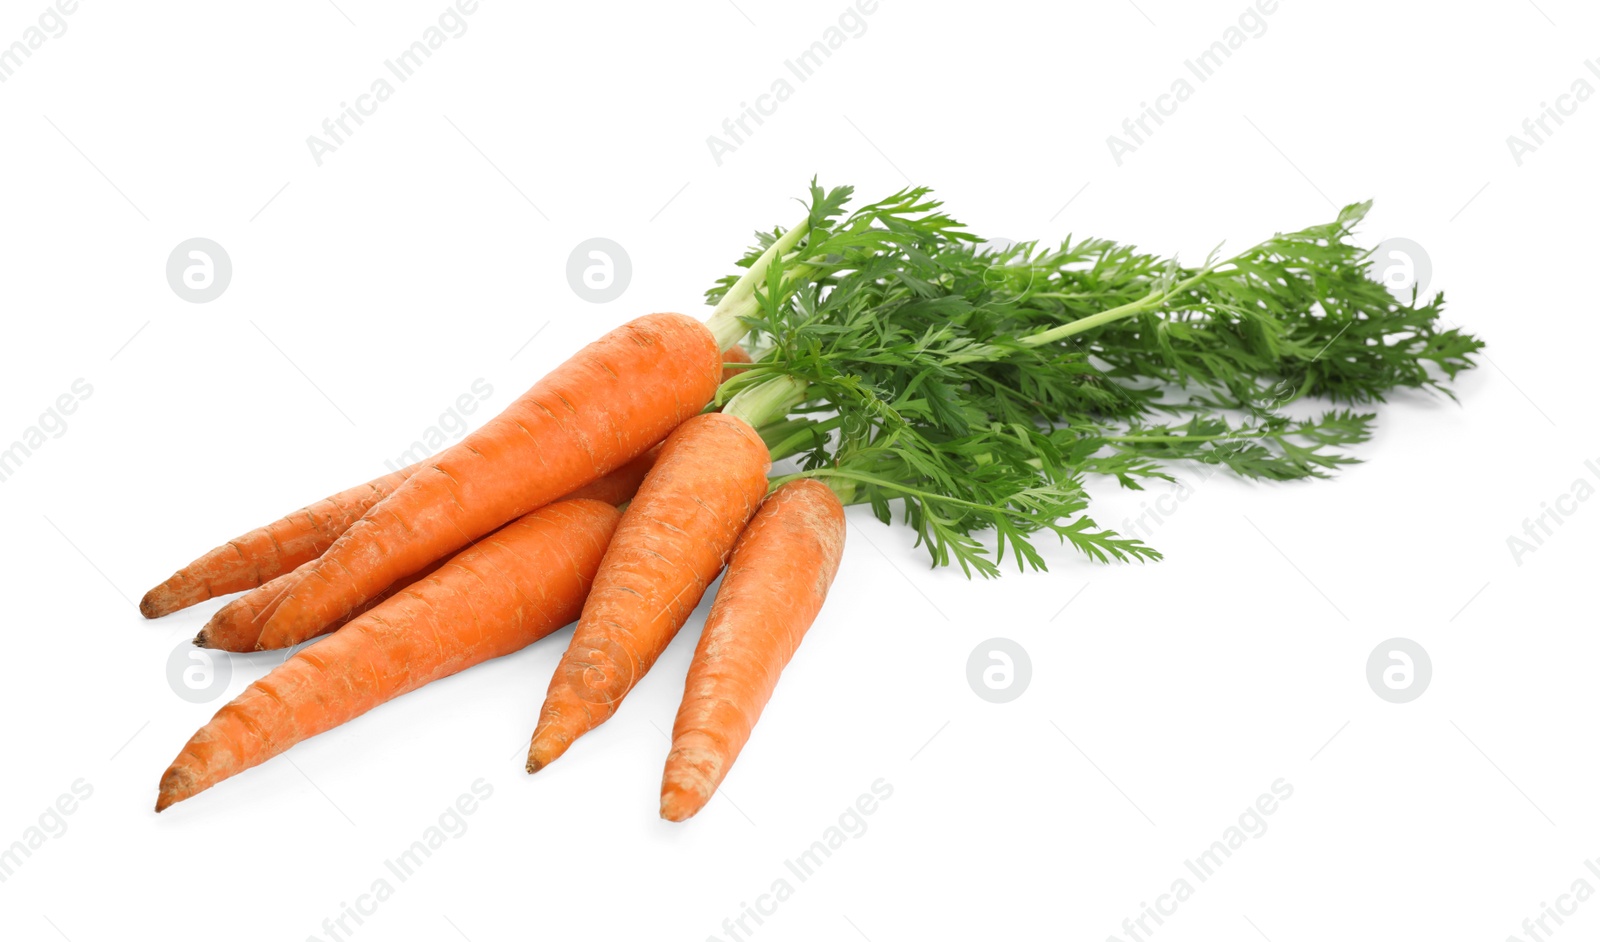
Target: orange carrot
[[673, 540], [508, 590], [237, 625], [781, 569], [259, 555], [268, 552], [591, 415], [734, 354], [620, 485]]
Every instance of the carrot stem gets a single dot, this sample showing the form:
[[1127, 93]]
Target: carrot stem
[[726, 321], [1157, 297], [766, 401]]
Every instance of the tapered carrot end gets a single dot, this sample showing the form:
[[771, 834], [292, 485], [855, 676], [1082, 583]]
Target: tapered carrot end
[[565, 716], [695, 768], [225, 633], [174, 595], [679, 803], [549, 743], [176, 785], [220, 749], [156, 603]]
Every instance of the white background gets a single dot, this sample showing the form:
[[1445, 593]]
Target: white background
[[425, 252]]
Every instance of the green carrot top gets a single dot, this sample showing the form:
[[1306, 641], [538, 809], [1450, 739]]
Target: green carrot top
[[899, 358]]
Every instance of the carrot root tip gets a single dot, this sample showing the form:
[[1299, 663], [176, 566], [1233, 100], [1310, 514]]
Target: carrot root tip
[[550, 742], [694, 769], [684, 792], [175, 787], [680, 802], [150, 606]]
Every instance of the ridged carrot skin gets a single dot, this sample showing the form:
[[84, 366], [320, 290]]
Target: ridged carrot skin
[[604, 407], [268, 552], [775, 586], [508, 590], [620, 485], [673, 540], [236, 626]]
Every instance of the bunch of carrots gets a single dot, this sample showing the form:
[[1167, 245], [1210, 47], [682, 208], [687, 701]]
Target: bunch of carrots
[[896, 361]]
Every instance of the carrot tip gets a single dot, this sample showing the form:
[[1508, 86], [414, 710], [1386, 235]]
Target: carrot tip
[[151, 607], [548, 745], [541, 754], [680, 805], [175, 787]]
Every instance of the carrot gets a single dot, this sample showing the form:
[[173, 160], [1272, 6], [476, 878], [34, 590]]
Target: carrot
[[237, 625], [781, 569], [672, 541], [601, 409], [268, 552], [257, 559], [620, 485], [510, 589], [732, 355]]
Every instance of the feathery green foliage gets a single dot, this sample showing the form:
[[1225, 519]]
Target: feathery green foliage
[[978, 385]]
